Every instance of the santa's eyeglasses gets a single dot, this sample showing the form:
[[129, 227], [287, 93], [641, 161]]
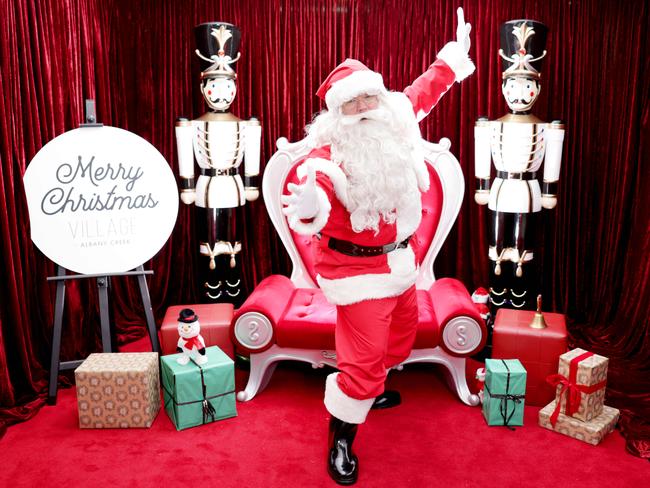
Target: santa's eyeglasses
[[360, 104]]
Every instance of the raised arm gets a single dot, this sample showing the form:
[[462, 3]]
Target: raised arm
[[452, 64]]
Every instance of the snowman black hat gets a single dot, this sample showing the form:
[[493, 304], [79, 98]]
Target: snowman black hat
[[187, 316]]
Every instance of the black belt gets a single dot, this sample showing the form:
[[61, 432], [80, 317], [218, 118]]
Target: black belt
[[505, 175], [351, 249], [218, 172]]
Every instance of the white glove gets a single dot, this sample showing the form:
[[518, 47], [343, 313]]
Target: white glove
[[549, 202], [456, 53], [252, 194], [462, 31], [188, 197], [482, 198], [302, 203]]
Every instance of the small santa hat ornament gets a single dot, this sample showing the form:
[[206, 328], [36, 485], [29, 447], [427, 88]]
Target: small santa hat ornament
[[480, 295], [480, 299], [349, 79]]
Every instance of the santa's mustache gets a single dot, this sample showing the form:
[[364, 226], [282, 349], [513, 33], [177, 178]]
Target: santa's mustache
[[377, 115]]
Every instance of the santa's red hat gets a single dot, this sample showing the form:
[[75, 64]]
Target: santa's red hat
[[348, 80]]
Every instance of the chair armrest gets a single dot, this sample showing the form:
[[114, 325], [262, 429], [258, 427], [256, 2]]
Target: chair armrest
[[253, 323], [462, 330]]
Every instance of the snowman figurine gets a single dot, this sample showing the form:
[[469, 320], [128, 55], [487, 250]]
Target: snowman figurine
[[190, 343]]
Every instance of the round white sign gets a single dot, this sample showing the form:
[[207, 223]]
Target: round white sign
[[101, 200]]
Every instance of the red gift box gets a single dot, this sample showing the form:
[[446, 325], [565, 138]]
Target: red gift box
[[537, 349], [215, 319]]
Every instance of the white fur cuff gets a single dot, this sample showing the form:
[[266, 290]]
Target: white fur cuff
[[457, 60], [343, 407], [354, 289], [332, 171]]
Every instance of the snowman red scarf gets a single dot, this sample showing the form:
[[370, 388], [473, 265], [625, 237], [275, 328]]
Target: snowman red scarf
[[193, 342]]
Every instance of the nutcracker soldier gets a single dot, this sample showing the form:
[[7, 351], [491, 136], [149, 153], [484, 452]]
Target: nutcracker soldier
[[518, 143], [221, 143]]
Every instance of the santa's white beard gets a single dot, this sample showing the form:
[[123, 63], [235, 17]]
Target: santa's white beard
[[376, 150]]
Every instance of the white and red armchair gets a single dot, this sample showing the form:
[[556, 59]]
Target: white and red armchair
[[290, 319]]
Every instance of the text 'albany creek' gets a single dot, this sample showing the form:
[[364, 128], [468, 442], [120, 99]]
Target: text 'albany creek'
[[97, 233]]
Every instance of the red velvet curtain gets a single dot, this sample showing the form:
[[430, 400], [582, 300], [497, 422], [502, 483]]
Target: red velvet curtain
[[135, 59]]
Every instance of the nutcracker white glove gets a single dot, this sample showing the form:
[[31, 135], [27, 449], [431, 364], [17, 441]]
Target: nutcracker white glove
[[252, 194], [482, 198], [549, 202], [188, 197], [303, 201]]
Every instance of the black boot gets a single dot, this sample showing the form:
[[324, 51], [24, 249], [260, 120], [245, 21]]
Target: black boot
[[388, 399], [342, 464]]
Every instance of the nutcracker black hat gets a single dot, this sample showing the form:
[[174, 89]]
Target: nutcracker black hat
[[187, 316], [522, 48], [218, 47]]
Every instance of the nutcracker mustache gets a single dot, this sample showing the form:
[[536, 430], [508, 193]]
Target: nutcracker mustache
[[521, 100]]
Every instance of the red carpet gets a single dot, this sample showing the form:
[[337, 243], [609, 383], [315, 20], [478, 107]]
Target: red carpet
[[278, 440]]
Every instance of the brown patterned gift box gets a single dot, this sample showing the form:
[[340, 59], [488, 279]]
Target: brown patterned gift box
[[591, 432], [118, 390], [581, 378]]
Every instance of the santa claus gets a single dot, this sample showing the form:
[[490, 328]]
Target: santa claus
[[360, 197]]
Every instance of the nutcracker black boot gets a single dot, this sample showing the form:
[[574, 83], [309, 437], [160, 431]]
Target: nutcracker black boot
[[388, 399], [342, 464]]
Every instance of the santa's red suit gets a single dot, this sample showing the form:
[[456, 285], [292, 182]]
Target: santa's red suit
[[374, 290]]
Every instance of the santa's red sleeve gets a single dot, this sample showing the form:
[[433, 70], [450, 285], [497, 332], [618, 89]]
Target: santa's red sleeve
[[453, 64]]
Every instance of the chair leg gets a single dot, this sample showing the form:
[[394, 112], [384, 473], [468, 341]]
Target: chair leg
[[262, 367], [456, 368]]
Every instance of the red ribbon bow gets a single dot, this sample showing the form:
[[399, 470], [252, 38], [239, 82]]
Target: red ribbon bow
[[193, 342], [573, 390]]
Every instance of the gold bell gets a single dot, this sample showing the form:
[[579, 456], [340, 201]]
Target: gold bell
[[538, 321]]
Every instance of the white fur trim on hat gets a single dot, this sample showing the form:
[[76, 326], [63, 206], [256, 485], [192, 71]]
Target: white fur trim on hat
[[354, 289], [355, 84], [318, 222], [480, 295], [342, 406], [457, 59], [332, 171]]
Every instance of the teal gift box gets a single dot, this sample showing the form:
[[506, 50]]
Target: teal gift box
[[196, 395], [505, 387]]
